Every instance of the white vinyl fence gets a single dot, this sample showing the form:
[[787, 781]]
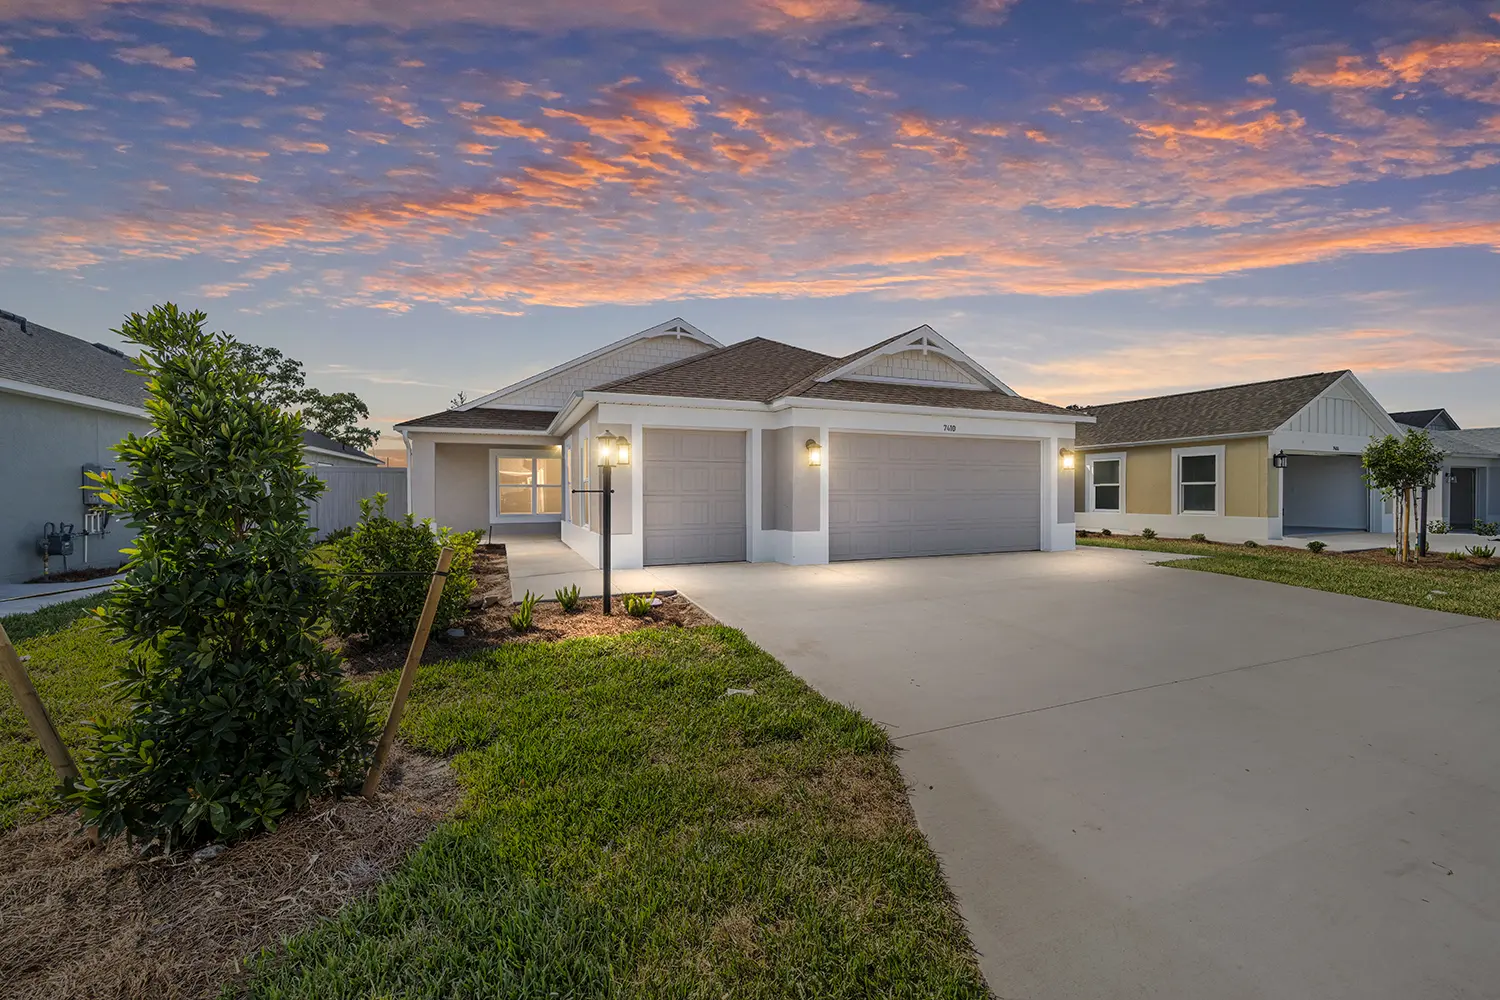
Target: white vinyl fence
[[345, 486]]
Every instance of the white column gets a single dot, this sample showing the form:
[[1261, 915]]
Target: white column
[[421, 477]]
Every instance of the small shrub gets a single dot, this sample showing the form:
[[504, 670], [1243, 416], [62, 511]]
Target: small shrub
[[386, 608], [1438, 527], [1200, 537], [1316, 546], [1148, 533], [339, 534], [1391, 550], [1482, 551], [1107, 533], [1455, 556], [521, 618], [1251, 543], [638, 605], [1486, 528], [1082, 533], [567, 597]]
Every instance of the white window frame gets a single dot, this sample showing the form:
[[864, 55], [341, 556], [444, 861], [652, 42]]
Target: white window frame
[[567, 459], [494, 475], [1088, 481], [1220, 479]]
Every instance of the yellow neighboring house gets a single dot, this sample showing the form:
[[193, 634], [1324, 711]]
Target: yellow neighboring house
[[1259, 461]]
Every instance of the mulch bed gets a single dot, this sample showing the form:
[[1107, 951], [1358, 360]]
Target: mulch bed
[[78, 575], [83, 922], [488, 627], [1433, 560]]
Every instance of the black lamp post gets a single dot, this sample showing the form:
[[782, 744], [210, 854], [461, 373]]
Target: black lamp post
[[613, 450]]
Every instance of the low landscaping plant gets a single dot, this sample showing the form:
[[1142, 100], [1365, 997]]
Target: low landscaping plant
[[1251, 543], [1316, 546], [521, 618], [1455, 556], [235, 713], [1148, 533], [638, 605], [1438, 527], [1482, 551], [1107, 533], [385, 608], [567, 597], [1199, 537], [1486, 528]]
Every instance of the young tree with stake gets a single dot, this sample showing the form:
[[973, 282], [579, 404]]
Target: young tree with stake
[[1398, 467]]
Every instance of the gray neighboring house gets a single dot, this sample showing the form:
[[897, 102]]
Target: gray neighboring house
[[1470, 487], [65, 404]]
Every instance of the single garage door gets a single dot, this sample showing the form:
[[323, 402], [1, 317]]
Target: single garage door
[[897, 495], [1324, 491], [695, 497]]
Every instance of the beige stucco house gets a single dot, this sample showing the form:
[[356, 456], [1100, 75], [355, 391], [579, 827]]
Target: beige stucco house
[[1258, 462]]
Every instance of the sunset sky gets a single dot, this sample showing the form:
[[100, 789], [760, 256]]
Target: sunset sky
[[1098, 199]]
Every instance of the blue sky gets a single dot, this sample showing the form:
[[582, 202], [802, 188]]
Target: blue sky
[[1099, 199]]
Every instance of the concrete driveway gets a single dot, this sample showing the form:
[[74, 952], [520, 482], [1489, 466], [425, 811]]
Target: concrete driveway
[[1148, 782]]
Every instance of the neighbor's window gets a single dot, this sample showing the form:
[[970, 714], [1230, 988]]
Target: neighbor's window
[[1107, 484], [1198, 481], [528, 485]]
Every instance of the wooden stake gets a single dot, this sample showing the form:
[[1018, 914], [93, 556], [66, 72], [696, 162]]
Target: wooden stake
[[408, 672], [36, 715]]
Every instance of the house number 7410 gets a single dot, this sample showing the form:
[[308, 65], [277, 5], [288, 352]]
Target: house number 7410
[[950, 427]]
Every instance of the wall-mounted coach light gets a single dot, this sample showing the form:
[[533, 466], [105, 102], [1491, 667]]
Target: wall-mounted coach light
[[1279, 460], [814, 453], [1066, 459]]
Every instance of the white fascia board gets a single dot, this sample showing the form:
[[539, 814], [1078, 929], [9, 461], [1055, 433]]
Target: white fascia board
[[585, 401], [659, 330], [362, 459], [1116, 445], [71, 398], [475, 431], [908, 341], [812, 403]]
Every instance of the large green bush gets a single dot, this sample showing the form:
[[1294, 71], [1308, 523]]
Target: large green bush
[[385, 608], [235, 712]]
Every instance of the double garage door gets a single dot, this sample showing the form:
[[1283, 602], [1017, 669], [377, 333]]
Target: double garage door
[[888, 495], [893, 495]]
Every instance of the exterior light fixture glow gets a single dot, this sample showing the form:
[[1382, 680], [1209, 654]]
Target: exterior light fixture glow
[[613, 450], [1066, 459], [1279, 460], [814, 453]]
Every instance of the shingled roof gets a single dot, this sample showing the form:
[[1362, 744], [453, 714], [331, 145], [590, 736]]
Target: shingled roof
[[1437, 419], [484, 419], [761, 370], [39, 356], [1253, 408]]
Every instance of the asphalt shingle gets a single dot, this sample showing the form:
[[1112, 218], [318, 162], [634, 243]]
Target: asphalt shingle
[[484, 419], [1253, 408], [44, 357]]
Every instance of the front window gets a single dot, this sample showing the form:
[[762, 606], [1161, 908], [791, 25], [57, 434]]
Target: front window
[[1107, 484], [1198, 483], [528, 485]]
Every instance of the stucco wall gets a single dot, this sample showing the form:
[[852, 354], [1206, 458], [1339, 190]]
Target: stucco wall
[[463, 486], [43, 448], [1068, 491], [1148, 480], [1247, 467], [775, 481]]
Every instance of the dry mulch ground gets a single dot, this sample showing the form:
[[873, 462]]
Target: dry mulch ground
[[78, 575], [1433, 560], [89, 923]]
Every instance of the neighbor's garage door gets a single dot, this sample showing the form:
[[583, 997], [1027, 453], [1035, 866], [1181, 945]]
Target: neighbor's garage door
[[695, 497], [894, 495], [1325, 491]]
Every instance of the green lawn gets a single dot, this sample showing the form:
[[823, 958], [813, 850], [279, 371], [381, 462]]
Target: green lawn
[[628, 829], [72, 664], [1460, 590]]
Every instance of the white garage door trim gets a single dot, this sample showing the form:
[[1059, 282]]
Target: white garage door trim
[[894, 495], [693, 495]]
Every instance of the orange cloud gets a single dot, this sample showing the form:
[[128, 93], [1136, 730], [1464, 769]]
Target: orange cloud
[[508, 128], [154, 55], [299, 145], [1153, 69], [1346, 72]]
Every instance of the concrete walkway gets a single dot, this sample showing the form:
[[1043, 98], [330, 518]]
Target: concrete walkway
[[19, 598], [1354, 541], [1149, 782], [544, 565]]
